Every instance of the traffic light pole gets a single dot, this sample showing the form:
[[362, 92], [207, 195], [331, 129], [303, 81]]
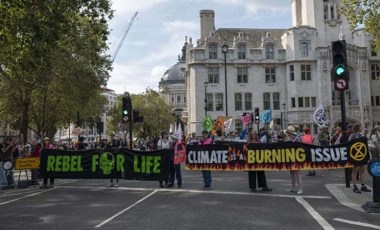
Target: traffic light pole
[[130, 134], [345, 137]]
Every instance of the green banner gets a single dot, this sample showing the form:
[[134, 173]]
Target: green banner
[[106, 163]]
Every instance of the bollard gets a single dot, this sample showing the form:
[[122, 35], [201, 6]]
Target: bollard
[[373, 168]]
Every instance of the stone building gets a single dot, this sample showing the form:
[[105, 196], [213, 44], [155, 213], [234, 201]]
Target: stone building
[[286, 70], [172, 88]]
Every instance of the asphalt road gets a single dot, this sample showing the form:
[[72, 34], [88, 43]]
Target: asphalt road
[[89, 204]]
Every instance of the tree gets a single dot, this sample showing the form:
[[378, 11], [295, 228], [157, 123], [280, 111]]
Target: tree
[[364, 12], [53, 54], [157, 114]]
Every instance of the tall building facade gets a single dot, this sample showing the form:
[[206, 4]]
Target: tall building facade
[[286, 70]]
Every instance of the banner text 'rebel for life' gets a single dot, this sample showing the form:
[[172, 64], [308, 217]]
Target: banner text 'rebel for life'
[[106, 163]]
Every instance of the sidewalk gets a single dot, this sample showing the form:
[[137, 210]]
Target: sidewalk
[[348, 198]]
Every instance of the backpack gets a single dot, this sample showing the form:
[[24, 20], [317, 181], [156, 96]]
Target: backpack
[[307, 139]]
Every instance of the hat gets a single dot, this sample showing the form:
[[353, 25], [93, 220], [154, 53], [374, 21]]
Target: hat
[[291, 130], [46, 139]]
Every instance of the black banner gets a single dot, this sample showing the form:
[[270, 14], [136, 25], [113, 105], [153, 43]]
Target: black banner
[[106, 163], [239, 156]]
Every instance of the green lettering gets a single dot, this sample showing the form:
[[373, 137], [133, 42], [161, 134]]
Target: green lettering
[[50, 163], [65, 163], [136, 167], [157, 160], [95, 162], [149, 164], [120, 163], [58, 163], [79, 164], [143, 170]]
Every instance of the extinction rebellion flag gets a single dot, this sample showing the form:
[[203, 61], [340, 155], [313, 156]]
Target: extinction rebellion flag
[[106, 163], [238, 156]]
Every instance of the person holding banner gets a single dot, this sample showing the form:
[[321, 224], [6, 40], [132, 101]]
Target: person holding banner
[[295, 174], [207, 178], [47, 145], [163, 143], [262, 182], [7, 150], [361, 168], [179, 157]]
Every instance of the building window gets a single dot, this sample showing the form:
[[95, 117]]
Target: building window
[[375, 100], [184, 100], [266, 100], [241, 51], [212, 51], [178, 100], [306, 72], [270, 75], [269, 52], [313, 102], [242, 75], [375, 72], [293, 101], [276, 101], [219, 101], [248, 101], [304, 49], [307, 102], [210, 102], [291, 72], [238, 102], [326, 11], [300, 102], [213, 75]]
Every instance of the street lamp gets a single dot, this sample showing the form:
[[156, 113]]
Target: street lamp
[[366, 120], [283, 115], [205, 84], [225, 51]]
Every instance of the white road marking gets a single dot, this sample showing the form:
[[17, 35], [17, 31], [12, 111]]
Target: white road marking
[[357, 223], [126, 209], [204, 191], [33, 194], [30, 195], [324, 224]]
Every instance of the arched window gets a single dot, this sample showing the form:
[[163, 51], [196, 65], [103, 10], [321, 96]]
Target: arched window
[[304, 49], [269, 52], [212, 51], [241, 51]]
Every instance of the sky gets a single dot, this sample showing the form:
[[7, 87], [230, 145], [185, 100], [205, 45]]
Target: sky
[[158, 33]]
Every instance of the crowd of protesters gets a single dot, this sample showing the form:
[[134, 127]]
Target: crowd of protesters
[[176, 142]]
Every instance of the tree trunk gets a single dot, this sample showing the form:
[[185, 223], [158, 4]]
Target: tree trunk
[[25, 119]]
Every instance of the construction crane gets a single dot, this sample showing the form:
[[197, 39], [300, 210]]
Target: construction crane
[[123, 36]]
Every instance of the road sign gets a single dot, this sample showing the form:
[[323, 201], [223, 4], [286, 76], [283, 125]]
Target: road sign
[[341, 84]]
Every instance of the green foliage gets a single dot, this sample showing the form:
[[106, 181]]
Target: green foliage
[[364, 12], [52, 61]]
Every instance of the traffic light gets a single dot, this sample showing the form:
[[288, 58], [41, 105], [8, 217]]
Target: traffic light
[[126, 109], [340, 69], [99, 126], [137, 117], [257, 115]]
